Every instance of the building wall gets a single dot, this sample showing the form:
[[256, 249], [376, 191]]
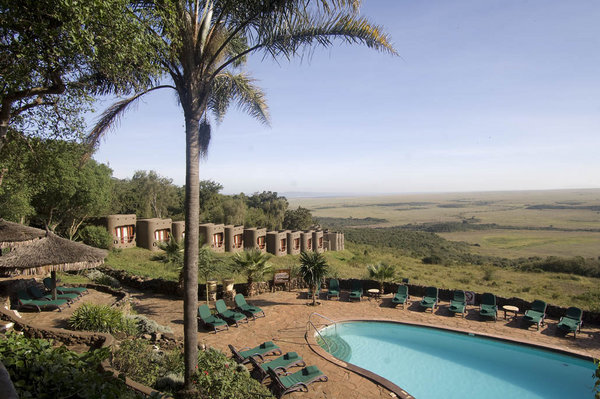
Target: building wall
[[277, 242], [318, 245], [231, 243], [306, 241], [293, 237], [252, 236], [178, 230], [335, 241], [213, 235], [149, 229], [126, 224]]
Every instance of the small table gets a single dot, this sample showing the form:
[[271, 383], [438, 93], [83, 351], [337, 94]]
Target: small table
[[512, 309], [373, 293]]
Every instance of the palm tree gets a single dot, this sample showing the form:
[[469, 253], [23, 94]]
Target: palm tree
[[313, 268], [253, 264], [382, 272], [205, 42]]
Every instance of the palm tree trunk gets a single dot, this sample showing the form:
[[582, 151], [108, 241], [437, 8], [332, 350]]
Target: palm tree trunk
[[190, 268]]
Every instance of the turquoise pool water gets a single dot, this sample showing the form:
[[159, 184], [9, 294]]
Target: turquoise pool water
[[432, 363]]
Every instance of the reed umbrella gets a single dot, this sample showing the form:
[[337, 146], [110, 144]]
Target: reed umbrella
[[27, 250]]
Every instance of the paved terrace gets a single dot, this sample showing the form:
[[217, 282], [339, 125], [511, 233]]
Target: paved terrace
[[285, 324]]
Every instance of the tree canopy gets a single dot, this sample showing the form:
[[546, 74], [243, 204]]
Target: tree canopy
[[55, 53]]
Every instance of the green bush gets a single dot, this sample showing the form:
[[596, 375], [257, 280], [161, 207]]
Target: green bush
[[96, 236], [219, 377], [42, 372], [101, 318]]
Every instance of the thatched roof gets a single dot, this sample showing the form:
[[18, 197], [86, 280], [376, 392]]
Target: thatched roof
[[15, 234], [49, 253]]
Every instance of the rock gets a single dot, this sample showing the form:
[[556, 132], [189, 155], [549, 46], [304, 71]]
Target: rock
[[147, 336]]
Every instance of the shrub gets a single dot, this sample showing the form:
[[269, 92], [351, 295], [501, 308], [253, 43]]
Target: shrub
[[101, 318], [134, 359], [40, 371], [170, 383], [96, 236], [432, 260], [104, 279], [488, 274], [219, 377], [143, 363], [148, 326]]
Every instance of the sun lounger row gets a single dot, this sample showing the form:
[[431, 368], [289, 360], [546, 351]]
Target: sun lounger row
[[571, 322], [282, 381], [36, 298], [225, 316]]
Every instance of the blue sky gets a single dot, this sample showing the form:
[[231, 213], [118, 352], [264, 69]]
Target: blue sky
[[485, 95]]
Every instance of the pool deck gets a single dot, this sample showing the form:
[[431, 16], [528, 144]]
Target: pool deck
[[286, 325]]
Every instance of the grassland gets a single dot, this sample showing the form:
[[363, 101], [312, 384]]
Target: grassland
[[556, 288], [541, 223]]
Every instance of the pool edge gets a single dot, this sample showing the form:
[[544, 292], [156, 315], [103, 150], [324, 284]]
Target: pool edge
[[398, 391]]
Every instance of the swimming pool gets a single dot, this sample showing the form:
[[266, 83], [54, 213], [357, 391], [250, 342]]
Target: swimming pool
[[433, 363]]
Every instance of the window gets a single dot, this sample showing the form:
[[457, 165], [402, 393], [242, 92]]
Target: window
[[283, 245], [161, 235], [260, 241], [218, 240], [124, 234], [237, 241], [296, 243], [320, 242], [309, 243]]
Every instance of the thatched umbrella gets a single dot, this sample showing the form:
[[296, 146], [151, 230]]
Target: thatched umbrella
[[35, 251]]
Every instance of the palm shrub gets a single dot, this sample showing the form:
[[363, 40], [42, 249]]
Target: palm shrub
[[208, 264], [382, 272], [313, 268], [173, 252], [254, 264], [101, 318]]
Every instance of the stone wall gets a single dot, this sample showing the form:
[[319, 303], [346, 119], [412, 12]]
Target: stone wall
[[167, 287]]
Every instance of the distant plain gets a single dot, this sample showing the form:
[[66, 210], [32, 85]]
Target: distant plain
[[531, 223]]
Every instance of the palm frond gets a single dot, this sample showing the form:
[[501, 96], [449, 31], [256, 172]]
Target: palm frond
[[240, 88], [112, 115]]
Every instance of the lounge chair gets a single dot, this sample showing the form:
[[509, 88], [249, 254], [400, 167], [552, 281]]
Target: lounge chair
[[356, 290], [37, 293], [297, 381], [65, 290], [430, 300], [281, 364], [571, 321], [25, 301], [228, 314], [334, 288], [249, 310], [208, 320], [458, 304], [243, 355], [401, 296], [488, 307], [536, 314]]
